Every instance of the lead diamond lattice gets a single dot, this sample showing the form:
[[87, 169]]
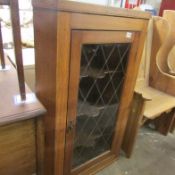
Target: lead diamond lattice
[[103, 68]]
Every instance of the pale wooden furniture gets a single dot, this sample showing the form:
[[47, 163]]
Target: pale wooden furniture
[[159, 71], [149, 103], [64, 74], [171, 61]]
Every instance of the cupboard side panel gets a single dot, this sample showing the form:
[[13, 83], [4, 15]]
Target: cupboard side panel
[[45, 53], [62, 80]]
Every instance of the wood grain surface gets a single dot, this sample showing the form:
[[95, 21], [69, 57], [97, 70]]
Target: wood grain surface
[[9, 111], [78, 7], [45, 54], [159, 72], [17, 148], [53, 55]]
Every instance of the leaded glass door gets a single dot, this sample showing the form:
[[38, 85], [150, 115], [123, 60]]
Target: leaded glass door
[[98, 68]]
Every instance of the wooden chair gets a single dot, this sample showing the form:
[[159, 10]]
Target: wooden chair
[[25, 28], [159, 77], [171, 61], [149, 103]]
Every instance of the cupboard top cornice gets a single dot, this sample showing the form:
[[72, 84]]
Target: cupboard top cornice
[[77, 7]]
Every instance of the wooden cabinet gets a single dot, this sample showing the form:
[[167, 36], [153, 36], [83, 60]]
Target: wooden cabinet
[[87, 58], [98, 83]]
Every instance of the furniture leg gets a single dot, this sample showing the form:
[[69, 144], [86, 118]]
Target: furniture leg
[[164, 123], [133, 124]]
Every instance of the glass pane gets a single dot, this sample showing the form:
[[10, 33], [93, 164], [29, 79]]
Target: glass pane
[[101, 79]]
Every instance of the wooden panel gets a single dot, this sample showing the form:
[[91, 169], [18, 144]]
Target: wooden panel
[[52, 68], [168, 31], [171, 61], [157, 102], [133, 124], [159, 77], [160, 28], [87, 37], [97, 22], [69, 6], [17, 148], [63, 50], [78, 38], [99, 164], [143, 74], [161, 102], [127, 93], [73, 94], [39, 136], [45, 53]]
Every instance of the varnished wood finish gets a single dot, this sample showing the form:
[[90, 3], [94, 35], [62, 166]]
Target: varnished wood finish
[[105, 22], [95, 165], [78, 39], [96, 37], [11, 112], [76, 7], [45, 53], [73, 94], [1, 50], [127, 92], [53, 66], [133, 124], [17, 148], [14, 10], [62, 80]]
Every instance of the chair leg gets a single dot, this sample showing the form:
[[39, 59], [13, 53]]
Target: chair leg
[[164, 123], [173, 125], [133, 124]]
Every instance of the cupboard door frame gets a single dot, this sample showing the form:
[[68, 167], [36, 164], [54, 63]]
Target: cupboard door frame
[[98, 37]]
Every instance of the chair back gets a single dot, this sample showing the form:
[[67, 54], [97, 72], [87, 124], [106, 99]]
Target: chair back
[[16, 31]]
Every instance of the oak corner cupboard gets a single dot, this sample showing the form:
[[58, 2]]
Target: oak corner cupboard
[[87, 58]]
